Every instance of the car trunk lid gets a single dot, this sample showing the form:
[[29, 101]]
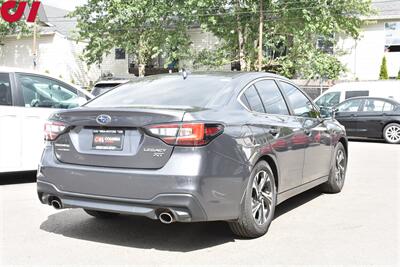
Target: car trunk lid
[[114, 137]]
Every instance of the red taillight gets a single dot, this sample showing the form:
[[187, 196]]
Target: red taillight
[[52, 129], [186, 134]]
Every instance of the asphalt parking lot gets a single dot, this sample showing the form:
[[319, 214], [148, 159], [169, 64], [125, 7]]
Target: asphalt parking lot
[[360, 226]]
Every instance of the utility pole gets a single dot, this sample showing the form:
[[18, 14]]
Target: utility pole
[[261, 31], [34, 45], [241, 41]]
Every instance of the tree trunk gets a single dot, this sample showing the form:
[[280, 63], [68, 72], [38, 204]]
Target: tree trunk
[[141, 59], [261, 32], [142, 70]]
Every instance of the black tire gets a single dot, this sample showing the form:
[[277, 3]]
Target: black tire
[[101, 214], [391, 133], [249, 225], [337, 174]]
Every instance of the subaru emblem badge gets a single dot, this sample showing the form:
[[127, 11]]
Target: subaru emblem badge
[[103, 119]]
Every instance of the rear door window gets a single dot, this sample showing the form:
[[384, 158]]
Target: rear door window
[[350, 106], [351, 94], [254, 100], [5, 90], [272, 98], [375, 105]]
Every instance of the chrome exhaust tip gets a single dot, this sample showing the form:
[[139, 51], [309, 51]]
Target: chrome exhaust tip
[[56, 204], [166, 218]]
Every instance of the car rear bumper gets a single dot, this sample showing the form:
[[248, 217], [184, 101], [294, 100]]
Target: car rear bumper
[[192, 186], [185, 207]]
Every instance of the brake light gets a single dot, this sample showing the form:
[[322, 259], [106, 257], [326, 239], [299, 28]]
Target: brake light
[[186, 134], [53, 129]]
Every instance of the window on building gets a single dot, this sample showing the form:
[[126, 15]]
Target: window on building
[[278, 50], [120, 53], [392, 36], [392, 48], [325, 44]]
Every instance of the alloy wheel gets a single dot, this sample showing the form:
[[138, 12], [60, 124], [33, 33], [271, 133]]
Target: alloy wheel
[[393, 134], [340, 170], [262, 197]]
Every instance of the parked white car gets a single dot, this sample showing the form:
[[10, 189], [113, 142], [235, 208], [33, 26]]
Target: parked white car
[[27, 99], [342, 91]]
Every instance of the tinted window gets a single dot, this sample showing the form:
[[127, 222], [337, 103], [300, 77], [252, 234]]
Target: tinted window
[[101, 88], [171, 90], [350, 106], [351, 94], [329, 100], [374, 105], [40, 91], [301, 105], [272, 97], [243, 99], [254, 100], [5, 90]]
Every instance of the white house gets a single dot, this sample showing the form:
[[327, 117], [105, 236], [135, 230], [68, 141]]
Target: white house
[[118, 63], [58, 53], [380, 36]]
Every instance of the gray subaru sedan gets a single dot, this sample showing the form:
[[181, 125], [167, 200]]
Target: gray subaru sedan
[[198, 147]]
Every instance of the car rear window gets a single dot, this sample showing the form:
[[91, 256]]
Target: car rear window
[[174, 90]]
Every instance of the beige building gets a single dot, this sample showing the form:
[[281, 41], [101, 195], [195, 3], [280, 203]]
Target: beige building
[[380, 36], [58, 53]]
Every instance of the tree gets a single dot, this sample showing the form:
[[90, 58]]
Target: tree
[[290, 32], [383, 74], [144, 28], [18, 28], [398, 75]]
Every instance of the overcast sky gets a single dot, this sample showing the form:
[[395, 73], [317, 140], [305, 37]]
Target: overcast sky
[[64, 4]]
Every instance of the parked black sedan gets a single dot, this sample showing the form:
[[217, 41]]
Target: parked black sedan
[[370, 117]]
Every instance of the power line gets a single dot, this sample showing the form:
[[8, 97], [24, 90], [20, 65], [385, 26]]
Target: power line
[[257, 11]]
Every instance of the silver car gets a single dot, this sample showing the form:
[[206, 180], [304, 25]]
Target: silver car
[[202, 147]]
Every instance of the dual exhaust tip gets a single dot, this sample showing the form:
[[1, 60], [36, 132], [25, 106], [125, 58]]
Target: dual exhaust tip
[[166, 217]]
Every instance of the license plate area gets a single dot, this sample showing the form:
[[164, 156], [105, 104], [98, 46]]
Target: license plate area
[[108, 140]]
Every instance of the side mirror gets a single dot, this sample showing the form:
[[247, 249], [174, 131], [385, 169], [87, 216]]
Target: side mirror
[[328, 113], [334, 111]]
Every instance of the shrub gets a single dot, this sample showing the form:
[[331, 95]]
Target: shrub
[[383, 74]]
